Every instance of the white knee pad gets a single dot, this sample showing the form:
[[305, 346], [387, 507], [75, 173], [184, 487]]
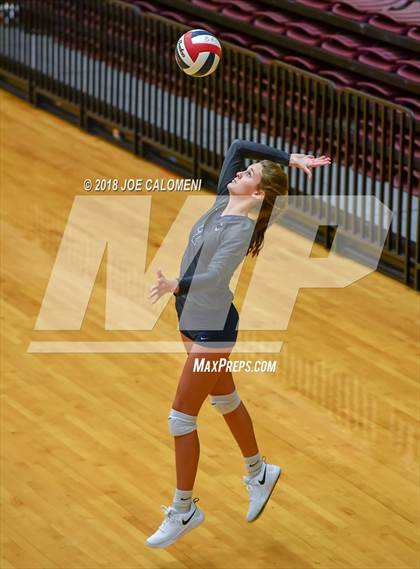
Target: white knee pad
[[181, 423], [225, 403]]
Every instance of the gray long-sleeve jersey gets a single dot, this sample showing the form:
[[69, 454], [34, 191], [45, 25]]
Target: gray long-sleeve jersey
[[217, 245]]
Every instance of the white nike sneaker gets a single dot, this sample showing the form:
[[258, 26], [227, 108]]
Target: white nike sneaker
[[260, 488], [175, 525]]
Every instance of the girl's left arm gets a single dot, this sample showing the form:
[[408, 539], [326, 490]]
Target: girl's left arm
[[235, 159], [241, 149]]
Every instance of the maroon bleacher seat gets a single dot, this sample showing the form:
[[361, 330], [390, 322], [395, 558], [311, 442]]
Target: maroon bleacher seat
[[367, 162], [409, 14], [174, 16], [323, 5], [258, 90], [383, 58], [397, 20], [240, 10], [414, 180], [409, 69], [416, 146], [414, 33], [273, 22], [236, 38], [360, 10], [310, 33], [261, 90], [340, 77], [375, 6], [146, 6], [376, 89], [344, 45], [267, 53], [302, 62], [349, 12], [383, 22], [204, 26], [207, 5], [410, 103]]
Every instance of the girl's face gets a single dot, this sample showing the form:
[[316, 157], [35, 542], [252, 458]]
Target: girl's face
[[247, 181]]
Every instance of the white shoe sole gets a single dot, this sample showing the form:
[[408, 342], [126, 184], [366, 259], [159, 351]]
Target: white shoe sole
[[268, 497], [194, 523]]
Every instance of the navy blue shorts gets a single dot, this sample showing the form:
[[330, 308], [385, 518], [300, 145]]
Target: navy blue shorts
[[224, 338]]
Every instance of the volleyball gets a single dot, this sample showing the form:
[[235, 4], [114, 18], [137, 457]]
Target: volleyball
[[198, 53]]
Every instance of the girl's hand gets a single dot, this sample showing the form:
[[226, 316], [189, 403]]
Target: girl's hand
[[306, 162], [162, 286]]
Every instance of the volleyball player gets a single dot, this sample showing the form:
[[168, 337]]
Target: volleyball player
[[217, 244]]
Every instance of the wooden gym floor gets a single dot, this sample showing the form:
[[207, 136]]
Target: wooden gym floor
[[87, 458]]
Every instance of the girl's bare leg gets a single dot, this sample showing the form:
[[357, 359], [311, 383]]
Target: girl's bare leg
[[192, 390], [238, 421]]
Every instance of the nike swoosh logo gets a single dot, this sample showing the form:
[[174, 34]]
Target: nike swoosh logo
[[263, 479], [184, 522], [254, 463]]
